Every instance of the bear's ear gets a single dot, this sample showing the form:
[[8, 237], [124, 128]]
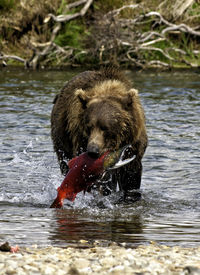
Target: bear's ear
[[129, 98], [81, 95]]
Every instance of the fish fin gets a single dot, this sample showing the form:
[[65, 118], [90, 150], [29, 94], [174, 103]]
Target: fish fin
[[71, 162], [74, 196], [71, 197]]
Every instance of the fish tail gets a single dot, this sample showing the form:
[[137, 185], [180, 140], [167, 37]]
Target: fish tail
[[57, 203]]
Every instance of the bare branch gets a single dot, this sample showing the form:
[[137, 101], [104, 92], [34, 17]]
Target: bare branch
[[64, 18], [147, 35], [133, 40], [117, 11], [76, 4], [156, 49], [117, 36], [178, 51], [172, 27], [47, 48], [86, 7], [15, 57], [5, 57], [181, 6], [68, 17], [181, 27], [124, 43], [152, 42], [134, 60], [162, 20], [60, 18], [157, 63]]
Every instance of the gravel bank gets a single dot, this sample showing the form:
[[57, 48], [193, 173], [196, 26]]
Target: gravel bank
[[114, 259]]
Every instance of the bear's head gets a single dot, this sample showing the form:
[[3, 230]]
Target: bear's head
[[108, 116]]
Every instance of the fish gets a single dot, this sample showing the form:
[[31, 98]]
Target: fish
[[5, 247], [85, 170]]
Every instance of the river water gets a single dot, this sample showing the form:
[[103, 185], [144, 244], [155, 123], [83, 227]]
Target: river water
[[169, 212]]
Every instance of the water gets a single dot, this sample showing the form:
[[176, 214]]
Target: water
[[169, 211]]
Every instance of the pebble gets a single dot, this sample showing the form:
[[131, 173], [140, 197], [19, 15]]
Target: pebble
[[148, 259], [81, 263]]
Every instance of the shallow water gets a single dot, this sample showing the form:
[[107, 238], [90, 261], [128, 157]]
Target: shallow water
[[169, 211]]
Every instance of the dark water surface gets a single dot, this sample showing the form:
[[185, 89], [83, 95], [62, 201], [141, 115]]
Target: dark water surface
[[169, 212]]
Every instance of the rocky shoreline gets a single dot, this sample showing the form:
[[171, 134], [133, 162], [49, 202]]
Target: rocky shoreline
[[95, 259]]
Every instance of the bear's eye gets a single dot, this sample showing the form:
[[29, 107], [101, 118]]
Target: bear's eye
[[89, 129], [110, 137], [103, 128]]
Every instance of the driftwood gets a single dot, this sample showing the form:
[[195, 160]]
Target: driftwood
[[5, 57], [122, 33], [171, 26], [147, 41], [50, 46], [68, 17], [59, 19], [180, 7], [175, 9]]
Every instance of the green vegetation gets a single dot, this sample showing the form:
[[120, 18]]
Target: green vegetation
[[6, 5], [195, 10], [108, 5], [98, 39], [62, 7], [72, 34]]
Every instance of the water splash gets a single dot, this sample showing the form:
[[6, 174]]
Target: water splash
[[125, 157]]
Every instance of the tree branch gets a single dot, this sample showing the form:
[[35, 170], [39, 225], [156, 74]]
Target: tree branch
[[59, 19], [143, 41], [14, 57], [182, 28], [76, 4], [117, 11], [68, 17]]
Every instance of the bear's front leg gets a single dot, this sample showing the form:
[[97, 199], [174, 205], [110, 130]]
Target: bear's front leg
[[64, 167], [130, 181]]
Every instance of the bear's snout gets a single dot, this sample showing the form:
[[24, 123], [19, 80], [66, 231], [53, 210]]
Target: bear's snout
[[95, 142], [93, 150]]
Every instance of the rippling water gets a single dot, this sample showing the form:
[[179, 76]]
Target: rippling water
[[169, 211]]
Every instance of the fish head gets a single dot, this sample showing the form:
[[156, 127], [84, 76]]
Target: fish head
[[119, 158]]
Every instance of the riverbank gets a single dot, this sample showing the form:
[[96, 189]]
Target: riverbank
[[93, 33], [114, 259]]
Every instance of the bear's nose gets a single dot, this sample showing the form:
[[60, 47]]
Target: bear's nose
[[93, 150]]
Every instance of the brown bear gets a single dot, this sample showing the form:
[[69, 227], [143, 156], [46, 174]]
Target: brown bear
[[98, 111]]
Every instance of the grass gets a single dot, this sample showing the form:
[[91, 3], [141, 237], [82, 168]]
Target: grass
[[72, 35], [62, 7], [108, 5], [81, 35], [6, 5]]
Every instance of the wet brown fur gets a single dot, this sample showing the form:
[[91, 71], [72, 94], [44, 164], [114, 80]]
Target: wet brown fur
[[100, 107]]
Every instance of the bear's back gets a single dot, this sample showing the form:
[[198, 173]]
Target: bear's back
[[88, 79]]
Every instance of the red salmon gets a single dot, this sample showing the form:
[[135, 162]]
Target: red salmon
[[83, 171]]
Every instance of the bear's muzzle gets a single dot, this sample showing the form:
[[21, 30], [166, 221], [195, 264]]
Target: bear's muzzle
[[93, 150]]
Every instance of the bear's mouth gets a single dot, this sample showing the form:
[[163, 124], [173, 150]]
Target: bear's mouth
[[93, 150]]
